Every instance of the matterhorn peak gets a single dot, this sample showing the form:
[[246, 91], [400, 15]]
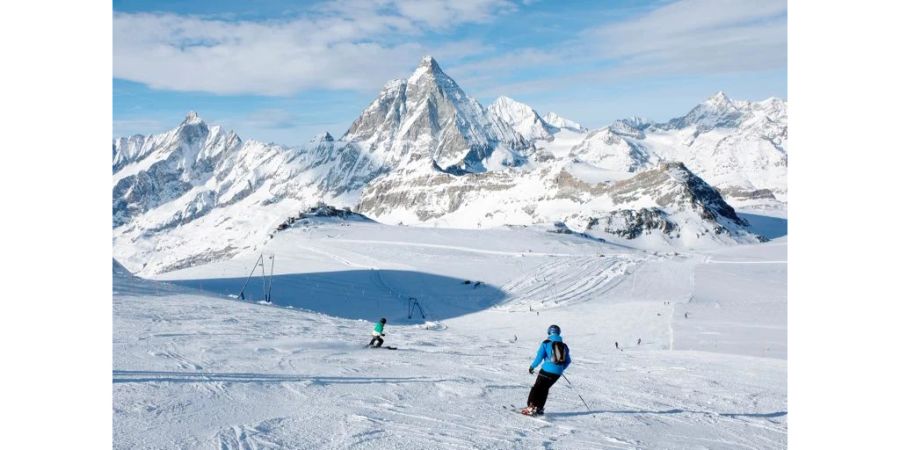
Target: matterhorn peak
[[428, 62], [427, 66]]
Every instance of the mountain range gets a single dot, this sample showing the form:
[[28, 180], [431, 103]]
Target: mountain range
[[425, 153]]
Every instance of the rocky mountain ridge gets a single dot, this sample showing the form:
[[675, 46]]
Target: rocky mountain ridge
[[423, 152]]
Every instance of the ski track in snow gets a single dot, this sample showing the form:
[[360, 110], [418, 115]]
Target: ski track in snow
[[453, 247], [193, 369]]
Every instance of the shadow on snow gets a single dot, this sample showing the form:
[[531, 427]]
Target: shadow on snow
[[766, 226], [365, 294]]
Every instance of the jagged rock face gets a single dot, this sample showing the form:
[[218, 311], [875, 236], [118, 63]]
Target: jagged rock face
[[749, 195], [674, 187], [428, 121], [631, 224], [332, 168], [167, 166], [127, 150], [321, 210], [326, 210], [550, 194]]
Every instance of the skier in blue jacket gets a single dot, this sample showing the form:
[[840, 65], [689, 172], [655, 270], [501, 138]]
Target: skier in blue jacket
[[554, 355]]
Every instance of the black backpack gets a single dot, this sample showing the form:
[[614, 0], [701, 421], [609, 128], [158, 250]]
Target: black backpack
[[559, 351]]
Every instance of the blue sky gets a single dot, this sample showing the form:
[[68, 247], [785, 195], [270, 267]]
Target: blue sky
[[283, 71]]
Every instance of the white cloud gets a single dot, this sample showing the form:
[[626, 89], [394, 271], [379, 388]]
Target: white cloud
[[345, 44], [697, 36], [442, 13], [685, 37], [130, 127], [271, 118]]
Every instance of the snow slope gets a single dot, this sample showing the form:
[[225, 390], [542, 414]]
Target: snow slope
[[200, 369]]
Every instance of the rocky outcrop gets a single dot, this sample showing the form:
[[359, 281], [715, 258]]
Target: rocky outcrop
[[630, 224]]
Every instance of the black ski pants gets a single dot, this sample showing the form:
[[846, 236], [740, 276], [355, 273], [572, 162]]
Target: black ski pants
[[538, 394], [377, 339]]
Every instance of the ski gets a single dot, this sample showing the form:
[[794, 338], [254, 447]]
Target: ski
[[519, 410]]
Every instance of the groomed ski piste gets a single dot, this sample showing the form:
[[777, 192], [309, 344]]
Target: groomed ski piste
[[195, 367]]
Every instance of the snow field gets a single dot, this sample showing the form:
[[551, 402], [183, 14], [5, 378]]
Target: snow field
[[195, 369]]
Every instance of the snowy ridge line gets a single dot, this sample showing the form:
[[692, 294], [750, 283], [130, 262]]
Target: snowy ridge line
[[454, 247]]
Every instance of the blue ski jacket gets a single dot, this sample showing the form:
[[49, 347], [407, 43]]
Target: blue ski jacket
[[545, 354]]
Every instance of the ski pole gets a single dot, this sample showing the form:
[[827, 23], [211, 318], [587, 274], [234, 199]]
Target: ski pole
[[576, 393]]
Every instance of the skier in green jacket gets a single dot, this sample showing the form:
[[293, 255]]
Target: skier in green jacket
[[378, 333]]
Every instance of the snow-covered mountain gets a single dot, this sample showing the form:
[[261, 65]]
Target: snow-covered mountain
[[666, 205], [424, 152], [562, 123], [739, 147], [522, 118], [427, 121], [197, 193]]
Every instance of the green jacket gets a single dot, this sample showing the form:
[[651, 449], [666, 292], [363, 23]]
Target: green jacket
[[379, 328]]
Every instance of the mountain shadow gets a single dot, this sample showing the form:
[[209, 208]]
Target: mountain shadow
[[400, 296], [766, 226]]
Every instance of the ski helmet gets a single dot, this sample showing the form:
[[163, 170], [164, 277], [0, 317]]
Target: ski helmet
[[554, 329], [383, 320]]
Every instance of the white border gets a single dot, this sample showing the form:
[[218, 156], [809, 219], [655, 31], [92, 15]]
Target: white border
[[57, 317], [842, 286], [843, 291]]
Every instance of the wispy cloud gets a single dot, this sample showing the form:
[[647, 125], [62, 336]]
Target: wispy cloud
[[344, 44], [129, 127], [444, 14], [271, 118], [697, 36]]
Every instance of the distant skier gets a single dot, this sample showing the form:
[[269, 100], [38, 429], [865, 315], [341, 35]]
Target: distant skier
[[378, 333], [639, 341], [617, 345], [553, 357]]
